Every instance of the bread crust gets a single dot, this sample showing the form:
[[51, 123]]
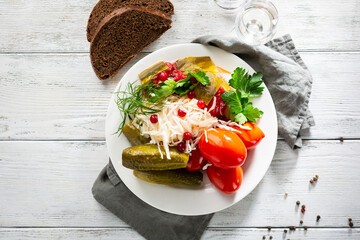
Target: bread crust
[[92, 24], [117, 13]]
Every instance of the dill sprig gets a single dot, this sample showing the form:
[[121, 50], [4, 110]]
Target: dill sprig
[[134, 100]]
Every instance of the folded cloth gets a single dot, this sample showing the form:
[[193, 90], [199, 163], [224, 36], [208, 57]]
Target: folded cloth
[[285, 75], [150, 222], [289, 83]]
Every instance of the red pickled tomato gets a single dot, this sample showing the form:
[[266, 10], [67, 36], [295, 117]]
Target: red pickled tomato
[[226, 180], [196, 161], [250, 137], [220, 106], [222, 148], [163, 76]]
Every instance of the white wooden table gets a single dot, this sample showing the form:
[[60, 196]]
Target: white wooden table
[[52, 112]]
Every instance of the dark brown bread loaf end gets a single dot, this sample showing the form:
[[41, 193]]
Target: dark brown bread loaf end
[[105, 7], [122, 35]]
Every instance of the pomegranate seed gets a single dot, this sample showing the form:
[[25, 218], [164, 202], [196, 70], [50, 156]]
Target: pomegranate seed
[[187, 136], [154, 118], [201, 104], [181, 147], [181, 113], [191, 94], [163, 76]]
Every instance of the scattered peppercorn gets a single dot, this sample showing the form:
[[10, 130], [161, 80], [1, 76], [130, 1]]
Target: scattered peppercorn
[[292, 228], [264, 237], [311, 181], [318, 218], [341, 139], [288, 239], [270, 237], [269, 228], [297, 202], [285, 231], [350, 219], [305, 228], [301, 221], [315, 179], [351, 224], [303, 206]]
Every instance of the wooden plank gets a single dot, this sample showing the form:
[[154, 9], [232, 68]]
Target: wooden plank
[[39, 26], [129, 234], [55, 96], [49, 184]]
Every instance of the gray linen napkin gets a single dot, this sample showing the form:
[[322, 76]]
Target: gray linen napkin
[[285, 75], [150, 222], [289, 83]]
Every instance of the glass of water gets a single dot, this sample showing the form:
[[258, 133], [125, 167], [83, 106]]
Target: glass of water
[[256, 22], [229, 5]]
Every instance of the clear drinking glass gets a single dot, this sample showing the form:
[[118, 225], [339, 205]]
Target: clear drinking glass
[[256, 22], [229, 5]]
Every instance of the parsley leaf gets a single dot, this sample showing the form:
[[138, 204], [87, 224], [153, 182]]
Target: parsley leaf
[[251, 113], [232, 100], [248, 85], [200, 76], [166, 89]]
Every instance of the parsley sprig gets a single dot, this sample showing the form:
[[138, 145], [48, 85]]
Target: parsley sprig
[[246, 86]]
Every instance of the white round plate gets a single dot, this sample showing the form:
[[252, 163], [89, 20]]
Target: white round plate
[[206, 199]]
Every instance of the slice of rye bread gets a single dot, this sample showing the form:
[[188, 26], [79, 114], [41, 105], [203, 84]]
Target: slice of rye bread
[[105, 7], [122, 35]]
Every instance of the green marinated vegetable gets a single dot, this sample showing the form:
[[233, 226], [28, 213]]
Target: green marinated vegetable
[[171, 177], [207, 92], [147, 157], [195, 64], [146, 75], [133, 135]]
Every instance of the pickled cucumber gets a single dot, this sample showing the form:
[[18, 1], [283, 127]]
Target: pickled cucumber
[[147, 157], [133, 135], [171, 177]]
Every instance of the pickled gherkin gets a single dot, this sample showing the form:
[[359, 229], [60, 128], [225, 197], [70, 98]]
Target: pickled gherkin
[[148, 157], [133, 135], [207, 92], [171, 177]]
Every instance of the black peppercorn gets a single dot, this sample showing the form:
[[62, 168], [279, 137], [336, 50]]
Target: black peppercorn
[[264, 237], [305, 228], [269, 228], [270, 237], [301, 221], [285, 231], [303, 206], [318, 218], [350, 219], [297, 202], [341, 139], [351, 224]]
